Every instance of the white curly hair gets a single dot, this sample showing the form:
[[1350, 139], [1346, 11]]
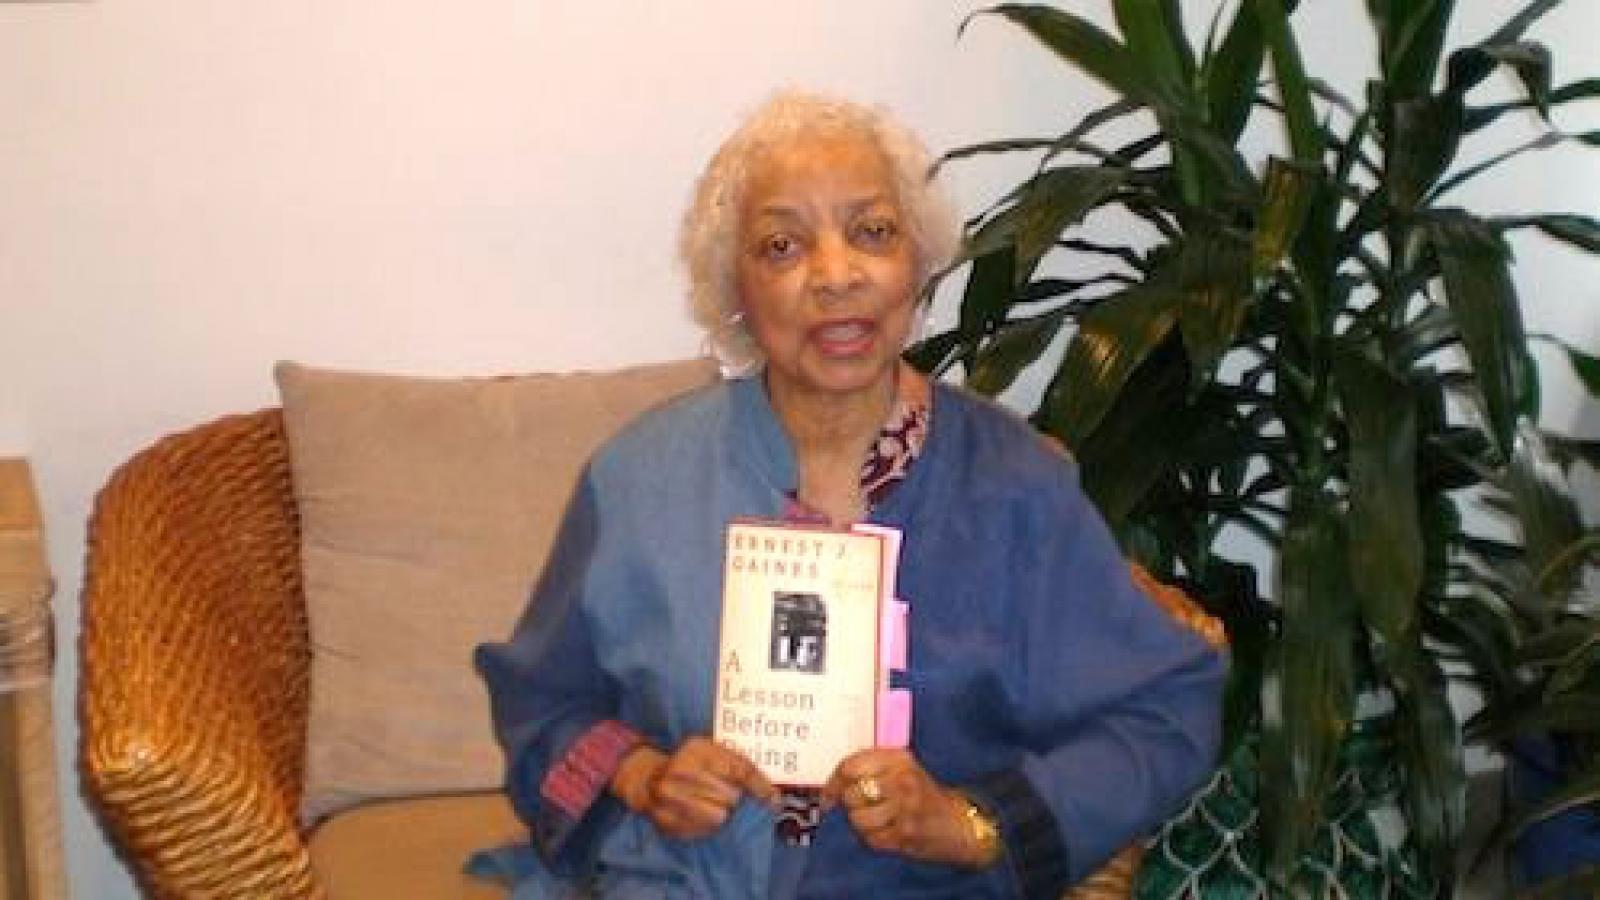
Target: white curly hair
[[710, 229]]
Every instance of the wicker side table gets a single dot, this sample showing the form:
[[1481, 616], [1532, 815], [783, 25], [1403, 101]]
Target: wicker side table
[[30, 833]]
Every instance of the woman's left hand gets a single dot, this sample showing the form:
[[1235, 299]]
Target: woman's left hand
[[896, 807]]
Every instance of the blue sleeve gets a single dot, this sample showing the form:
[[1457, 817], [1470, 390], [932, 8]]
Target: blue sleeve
[[547, 689], [1121, 705]]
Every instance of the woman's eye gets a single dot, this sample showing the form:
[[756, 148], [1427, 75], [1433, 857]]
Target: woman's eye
[[778, 246], [876, 232]]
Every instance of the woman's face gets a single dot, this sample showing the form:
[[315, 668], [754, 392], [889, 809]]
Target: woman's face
[[825, 269]]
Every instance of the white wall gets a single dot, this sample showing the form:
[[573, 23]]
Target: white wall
[[189, 191]]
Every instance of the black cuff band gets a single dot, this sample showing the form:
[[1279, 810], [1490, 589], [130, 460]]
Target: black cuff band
[[1028, 829]]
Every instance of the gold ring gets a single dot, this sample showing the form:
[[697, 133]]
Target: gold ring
[[870, 790]]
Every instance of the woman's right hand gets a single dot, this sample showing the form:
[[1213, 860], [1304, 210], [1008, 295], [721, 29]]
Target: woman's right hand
[[691, 792]]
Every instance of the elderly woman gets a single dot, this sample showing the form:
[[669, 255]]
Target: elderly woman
[[1059, 714]]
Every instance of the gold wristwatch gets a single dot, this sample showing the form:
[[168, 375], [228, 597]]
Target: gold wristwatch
[[985, 833]]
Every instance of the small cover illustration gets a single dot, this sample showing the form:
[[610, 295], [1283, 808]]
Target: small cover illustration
[[801, 668]]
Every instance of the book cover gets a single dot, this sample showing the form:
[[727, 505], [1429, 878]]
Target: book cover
[[799, 670]]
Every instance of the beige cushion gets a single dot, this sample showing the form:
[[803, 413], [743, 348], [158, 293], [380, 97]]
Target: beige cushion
[[412, 848], [427, 507]]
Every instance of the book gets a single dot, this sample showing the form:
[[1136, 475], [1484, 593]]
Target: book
[[808, 615]]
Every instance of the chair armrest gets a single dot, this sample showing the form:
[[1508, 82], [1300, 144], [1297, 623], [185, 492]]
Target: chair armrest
[[1181, 607], [195, 663], [1112, 881]]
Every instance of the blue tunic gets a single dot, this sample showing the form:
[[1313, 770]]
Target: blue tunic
[[1045, 684]]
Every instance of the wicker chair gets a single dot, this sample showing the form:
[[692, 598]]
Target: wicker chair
[[195, 657]]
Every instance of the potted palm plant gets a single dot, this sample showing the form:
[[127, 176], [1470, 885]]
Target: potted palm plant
[[1314, 350]]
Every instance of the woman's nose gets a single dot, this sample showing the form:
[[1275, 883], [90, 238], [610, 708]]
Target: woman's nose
[[834, 267]]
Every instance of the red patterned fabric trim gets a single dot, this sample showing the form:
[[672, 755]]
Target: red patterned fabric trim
[[900, 442], [588, 766], [799, 814]]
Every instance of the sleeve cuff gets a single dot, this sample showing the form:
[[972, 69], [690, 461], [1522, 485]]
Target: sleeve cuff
[[577, 781], [1034, 853]]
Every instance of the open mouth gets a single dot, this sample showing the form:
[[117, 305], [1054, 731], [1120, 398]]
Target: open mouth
[[844, 338]]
